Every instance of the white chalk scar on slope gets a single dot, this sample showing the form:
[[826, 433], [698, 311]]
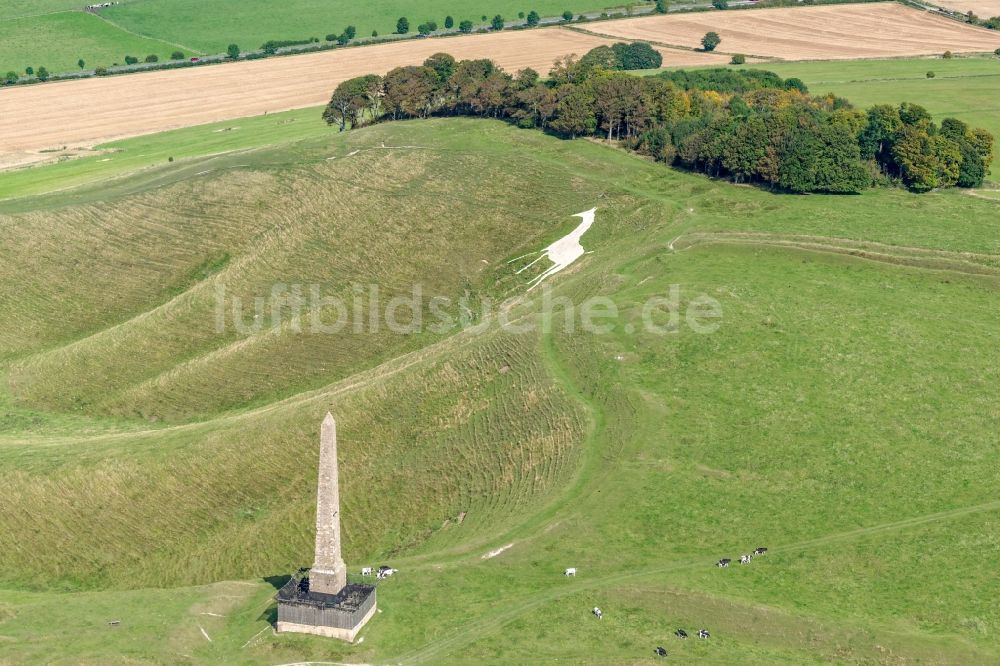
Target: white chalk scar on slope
[[563, 252]]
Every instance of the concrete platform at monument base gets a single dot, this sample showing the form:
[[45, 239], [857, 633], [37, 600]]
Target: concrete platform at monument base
[[339, 615]]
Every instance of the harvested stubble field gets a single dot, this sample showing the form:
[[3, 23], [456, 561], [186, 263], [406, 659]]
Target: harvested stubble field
[[981, 8], [75, 113], [835, 32]]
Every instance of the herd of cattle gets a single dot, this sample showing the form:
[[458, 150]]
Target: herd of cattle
[[386, 571], [660, 651], [383, 572], [744, 559]]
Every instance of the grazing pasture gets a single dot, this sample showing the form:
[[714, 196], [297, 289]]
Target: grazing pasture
[[57, 40], [210, 26], [842, 414], [832, 32]]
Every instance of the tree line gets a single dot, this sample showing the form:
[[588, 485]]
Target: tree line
[[749, 126]]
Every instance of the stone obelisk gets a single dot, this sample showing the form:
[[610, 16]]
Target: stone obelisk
[[328, 574]]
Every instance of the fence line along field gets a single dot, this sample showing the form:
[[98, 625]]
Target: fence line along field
[[832, 32], [86, 112]]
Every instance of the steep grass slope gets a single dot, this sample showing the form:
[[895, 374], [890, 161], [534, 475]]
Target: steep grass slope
[[842, 414]]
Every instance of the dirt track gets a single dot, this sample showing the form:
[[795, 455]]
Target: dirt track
[[91, 111], [831, 32]]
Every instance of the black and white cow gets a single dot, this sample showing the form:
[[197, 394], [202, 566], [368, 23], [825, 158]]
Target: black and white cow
[[660, 651], [760, 551], [745, 559], [680, 633], [724, 562], [597, 613], [703, 633], [366, 571]]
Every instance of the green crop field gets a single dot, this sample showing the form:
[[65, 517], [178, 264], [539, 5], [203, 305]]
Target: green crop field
[[58, 40], [160, 472]]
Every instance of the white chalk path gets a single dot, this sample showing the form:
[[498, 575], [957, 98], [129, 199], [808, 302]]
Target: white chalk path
[[493, 553], [564, 251]]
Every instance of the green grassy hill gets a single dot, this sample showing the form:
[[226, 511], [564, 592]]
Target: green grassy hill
[[161, 474]]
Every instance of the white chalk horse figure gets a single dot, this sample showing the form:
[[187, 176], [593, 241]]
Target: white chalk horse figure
[[564, 251]]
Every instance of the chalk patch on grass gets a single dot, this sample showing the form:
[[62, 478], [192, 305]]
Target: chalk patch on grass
[[497, 551], [205, 633], [212, 614], [564, 251]]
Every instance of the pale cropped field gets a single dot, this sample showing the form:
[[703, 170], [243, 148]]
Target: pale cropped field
[[835, 32], [34, 118]]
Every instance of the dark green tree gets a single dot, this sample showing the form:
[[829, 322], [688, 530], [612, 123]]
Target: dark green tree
[[720, 4], [350, 31], [661, 6], [443, 65], [465, 26], [42, 74], [80, 63], [574, 114], [11, 77], [177, 55], [637, 55], [29, 70], [424, 29], [497, 22], [926, 161], [152, 57], [131, 60], [710, 41], [402, 26], [567, 15], [449, 22], [233, 51], [533, 18]]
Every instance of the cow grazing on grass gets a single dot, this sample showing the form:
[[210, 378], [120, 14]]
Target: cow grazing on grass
[[703, 633], [760, 551], [745, 559], [385, 572], [724, 562], [597, 613], [366, 571], [660, 652], [570, 572], [680, 633]]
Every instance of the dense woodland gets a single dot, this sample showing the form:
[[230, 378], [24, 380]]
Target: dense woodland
[[749, 126]]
